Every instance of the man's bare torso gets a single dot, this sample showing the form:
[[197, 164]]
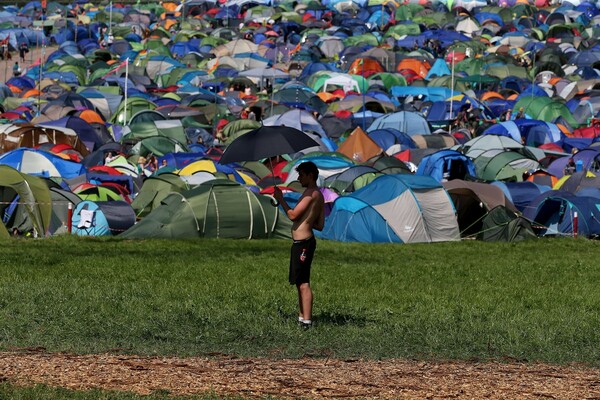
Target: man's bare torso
[[312, 217]]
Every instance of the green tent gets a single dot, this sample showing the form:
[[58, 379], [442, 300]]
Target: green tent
[[503, 71], [172, 129], [99, 193], [397, 31], [471, 66], [33, 205], [158, 146], [154, 190], [237, 128], [546, 109], [218, 208], [503, 225], [501, 165], [364, 39], [133, 105], [387, 79]]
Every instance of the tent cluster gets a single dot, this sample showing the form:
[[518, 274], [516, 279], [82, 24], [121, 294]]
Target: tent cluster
[[434, 121]]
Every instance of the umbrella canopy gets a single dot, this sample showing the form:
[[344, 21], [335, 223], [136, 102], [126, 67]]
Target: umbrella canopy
[[265, 142]]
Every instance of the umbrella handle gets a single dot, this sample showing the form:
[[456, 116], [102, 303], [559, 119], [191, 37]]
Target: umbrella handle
[[274, 201]]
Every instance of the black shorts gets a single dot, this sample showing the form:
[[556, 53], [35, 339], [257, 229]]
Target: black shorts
[[301, 260]]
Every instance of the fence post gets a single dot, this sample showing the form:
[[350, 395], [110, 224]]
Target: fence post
[[70, 217]]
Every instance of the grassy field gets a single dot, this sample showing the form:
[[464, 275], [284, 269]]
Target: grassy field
[[535, 300]]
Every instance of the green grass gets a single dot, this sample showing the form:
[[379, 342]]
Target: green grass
[[43, 392], [535, 301]]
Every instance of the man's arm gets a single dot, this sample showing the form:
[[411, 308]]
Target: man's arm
[[297, 212], [293, 213]]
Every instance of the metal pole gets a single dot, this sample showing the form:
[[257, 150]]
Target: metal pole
[[451, 92], [126, 79], [364, 107], [41, 68], [110, 20], [532, 71]]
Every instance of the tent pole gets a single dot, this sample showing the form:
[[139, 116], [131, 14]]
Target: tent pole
[[532, 71], [451, 93], [76, 21], [110, 19], [126, 78], [364, 107]]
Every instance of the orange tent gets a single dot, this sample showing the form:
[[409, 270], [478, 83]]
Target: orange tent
[[31, 93], [359, 146], [421, 68], [491, 95], [543, 178], [91, 117], [14, 88], [170, 5], [329, 97], [365, 67]]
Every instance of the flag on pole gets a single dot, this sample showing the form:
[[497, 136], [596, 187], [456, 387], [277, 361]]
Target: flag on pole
[[125, 90], [123, 64], [214, 67]]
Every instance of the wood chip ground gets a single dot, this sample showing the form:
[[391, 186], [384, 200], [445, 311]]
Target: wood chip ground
[[301, 378]]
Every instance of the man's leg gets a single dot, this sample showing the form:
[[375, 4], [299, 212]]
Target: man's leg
[[300, 308], [306, 300]]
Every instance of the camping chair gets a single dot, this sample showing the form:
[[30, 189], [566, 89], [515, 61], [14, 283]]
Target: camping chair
[[86, 220]]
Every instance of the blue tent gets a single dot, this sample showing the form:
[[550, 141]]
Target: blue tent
[[86, 133], [397, 208], [439, 68], [102, 218], [408, 122], [41, 163], [555, 211], [386, 138], [521, 193], [446, 165], [533, 132]]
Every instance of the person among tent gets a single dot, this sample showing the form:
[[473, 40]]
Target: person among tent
[[23, 49], [110, 156], [461, 120], [308, 214], [4, 52], [570, 167], [16, 69], [520, 114], [141, 165]]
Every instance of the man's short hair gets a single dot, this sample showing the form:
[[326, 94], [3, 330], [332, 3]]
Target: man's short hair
[[308, 167]]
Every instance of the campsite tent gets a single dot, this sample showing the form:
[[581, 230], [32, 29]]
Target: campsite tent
[[102, 218], [218, 208], [25, 202], [553, 213], [446, 165], [398, 208], [473, 201], [154, 190]]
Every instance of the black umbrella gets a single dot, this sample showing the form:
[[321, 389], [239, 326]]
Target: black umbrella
[[266, 142]]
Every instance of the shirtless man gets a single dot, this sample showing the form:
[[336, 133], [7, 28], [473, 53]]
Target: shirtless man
[[307, 215]]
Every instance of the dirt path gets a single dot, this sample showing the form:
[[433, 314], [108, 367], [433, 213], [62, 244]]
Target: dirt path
[[35, 53], [306, 378]]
